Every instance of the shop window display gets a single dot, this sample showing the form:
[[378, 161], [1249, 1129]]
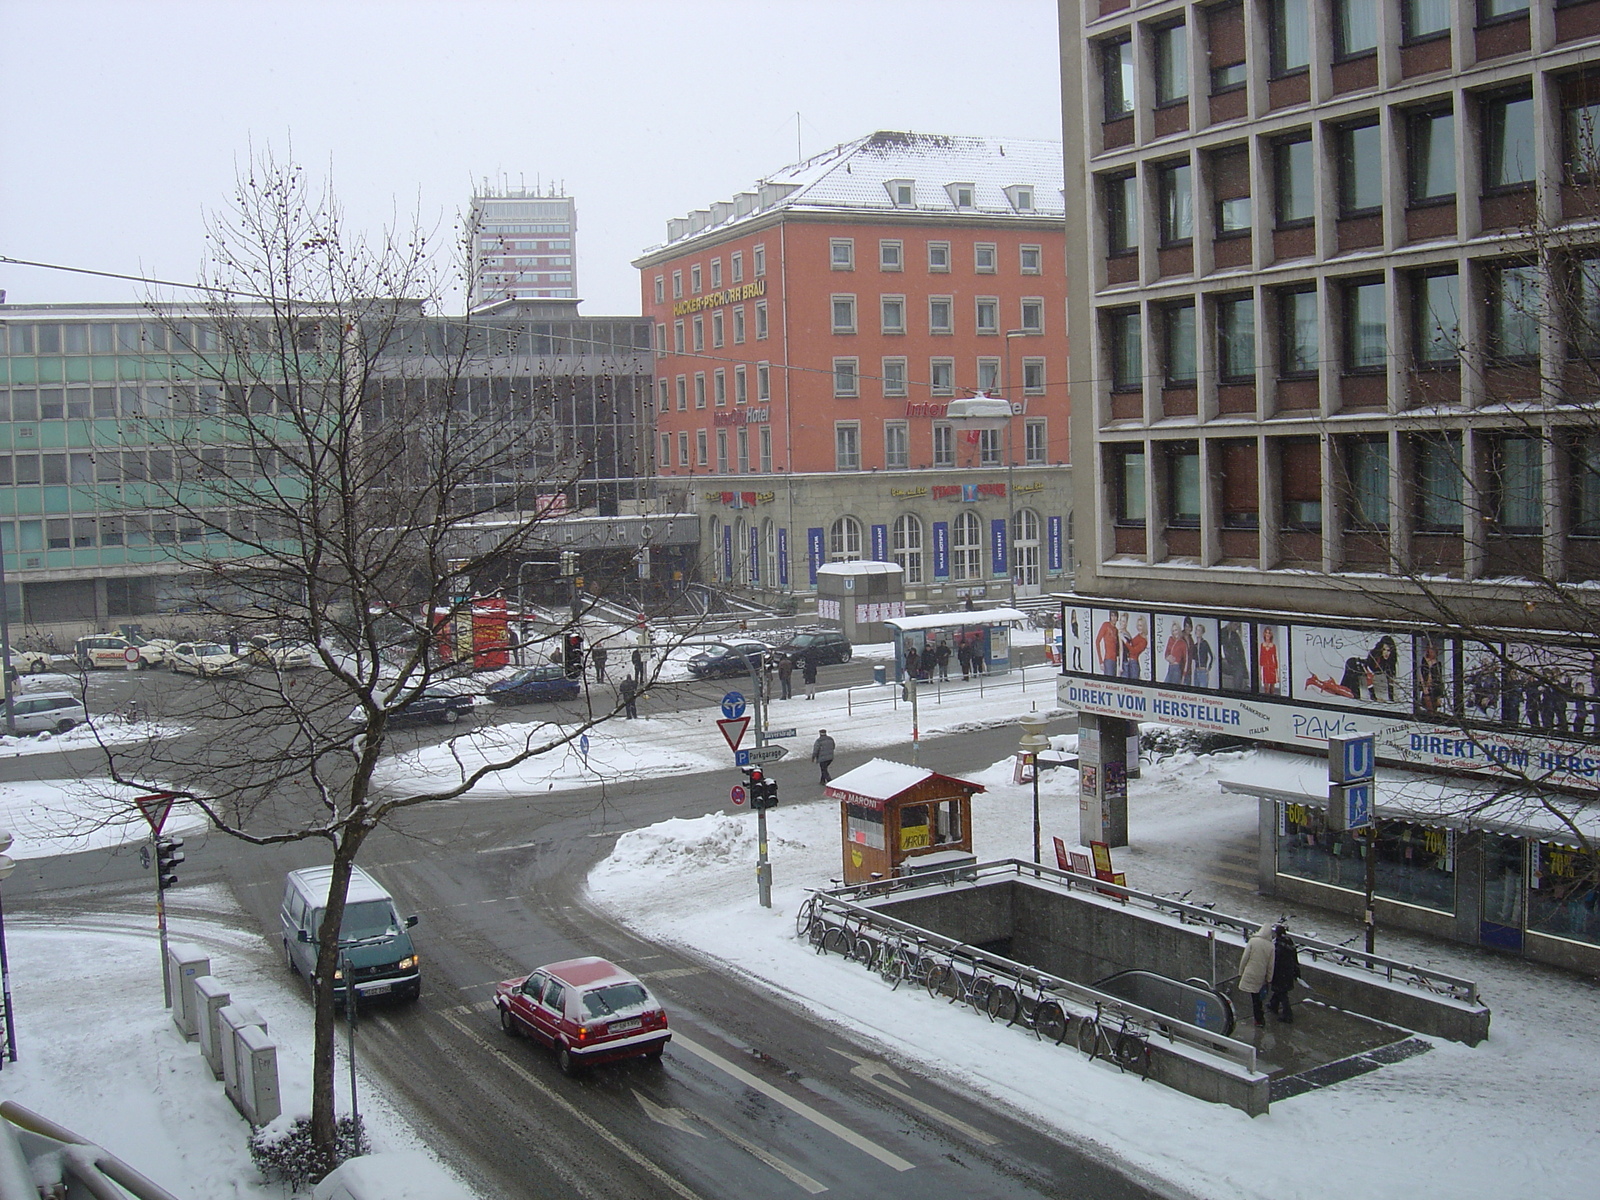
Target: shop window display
[[1564, 901], [1416, 864]]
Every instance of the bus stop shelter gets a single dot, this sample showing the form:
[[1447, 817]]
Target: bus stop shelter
[[985, 631], [892, 815]]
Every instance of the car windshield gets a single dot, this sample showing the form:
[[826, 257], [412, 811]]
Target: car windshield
[[368, 918], [208, 650], [608, 1001]]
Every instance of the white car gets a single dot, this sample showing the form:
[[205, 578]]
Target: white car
[[281, 653], [205, 658], [31, 662], [47, 712], [118, 652]]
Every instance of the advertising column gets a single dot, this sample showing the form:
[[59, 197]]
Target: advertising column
[[1103, 779]]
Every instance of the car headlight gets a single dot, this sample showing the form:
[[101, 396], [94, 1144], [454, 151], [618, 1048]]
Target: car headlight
[[337, 975], [410, 964]]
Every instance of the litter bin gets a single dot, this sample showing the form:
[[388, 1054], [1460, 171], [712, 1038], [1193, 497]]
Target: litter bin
[[880, 673]]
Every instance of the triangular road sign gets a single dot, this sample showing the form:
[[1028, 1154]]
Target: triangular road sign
[[733, 729], [155, 808]]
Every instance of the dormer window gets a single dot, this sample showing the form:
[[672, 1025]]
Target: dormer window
[[1021, 198], [961, 194], [902, 193]]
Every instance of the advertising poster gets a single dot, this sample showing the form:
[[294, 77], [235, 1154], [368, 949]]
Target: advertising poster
[[1054, 542], [814, 552], [1272, 660], [1233, 655], [1434, 687], [997, 547], [1331, 665], [1553, 689], [755, 555], [941, 549], [1121, 643], [880, 543], [783, 556], [727, 552], [1186, 650], [1075, 636]]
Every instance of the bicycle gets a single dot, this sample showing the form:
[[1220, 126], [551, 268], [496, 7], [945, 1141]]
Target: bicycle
[[901, 961], [1128, 1047], [805, 916], [969, 986], [1039, 1013]]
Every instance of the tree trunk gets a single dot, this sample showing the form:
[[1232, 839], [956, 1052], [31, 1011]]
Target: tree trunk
[[323, 1129]]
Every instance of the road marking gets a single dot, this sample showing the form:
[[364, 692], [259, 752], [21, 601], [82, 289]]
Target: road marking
[[678, 1118], [578, 1114], [887, 1157], [661, 1114], [674, 972], [871, 1071], [509, 849]]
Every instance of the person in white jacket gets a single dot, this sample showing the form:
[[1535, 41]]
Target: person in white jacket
[[1255, 970]]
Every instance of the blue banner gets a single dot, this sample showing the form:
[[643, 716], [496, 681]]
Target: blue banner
[[783, 556], [1055, 542], [755, 555], [941, 549], [880, 543], [814, 552], [727, 552], [997, 547]]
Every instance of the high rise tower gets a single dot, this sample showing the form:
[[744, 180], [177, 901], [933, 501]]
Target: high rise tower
[[522, 245]]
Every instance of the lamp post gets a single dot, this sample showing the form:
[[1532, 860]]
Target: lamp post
[[1033, 741], [1011, 462], [7, 865], [5, 664]]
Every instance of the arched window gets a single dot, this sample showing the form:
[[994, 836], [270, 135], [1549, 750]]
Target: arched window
[[907, 549], [966, 548], [1025, 550], [844, 540]]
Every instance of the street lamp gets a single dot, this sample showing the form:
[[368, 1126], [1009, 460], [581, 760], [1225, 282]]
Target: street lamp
[[7, 865], [986, 412], [1033, 741]]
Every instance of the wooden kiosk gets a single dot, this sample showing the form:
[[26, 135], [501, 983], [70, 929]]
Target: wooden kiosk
[[892, 814]]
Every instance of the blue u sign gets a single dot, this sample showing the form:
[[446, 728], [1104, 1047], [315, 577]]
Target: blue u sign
[[1352, 759]]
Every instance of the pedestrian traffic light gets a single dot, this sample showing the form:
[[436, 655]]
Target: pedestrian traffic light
[[763, 791], [169, 853]]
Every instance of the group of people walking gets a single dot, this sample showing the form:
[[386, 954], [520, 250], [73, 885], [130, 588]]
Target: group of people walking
[[1268, 971]]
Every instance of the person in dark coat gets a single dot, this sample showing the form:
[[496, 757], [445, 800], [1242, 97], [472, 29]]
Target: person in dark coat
[[1285, 972], [808, 674], [630, 695], [913, 661], [822, 753], [785, 674], [638, 667], [964, 657], [941, 655], [599, 655]]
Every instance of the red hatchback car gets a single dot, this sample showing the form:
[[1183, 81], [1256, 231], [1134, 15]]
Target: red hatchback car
[[587, 1010]]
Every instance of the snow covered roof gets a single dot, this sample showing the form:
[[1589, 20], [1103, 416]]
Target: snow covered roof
[[864, 566], [362, 886], [958, 619], [890, 171], [880, 779]]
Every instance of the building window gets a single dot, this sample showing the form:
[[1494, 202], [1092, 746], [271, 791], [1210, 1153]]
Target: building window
[[1508, 141], [1236, 338], [906, 547], [891, 256], [699, 334], [683, 449], [716, 273], [700, 390], [1172, 64], [758, 260], [722, 452], [939, 257], [1432, 165], [677, 337], [763, 381], [842, 254], [844, 540], [961, 194], [986, 310], [1178, 344], [1366, 327], [845, 381], [989, 375], [1289, 23], [1033, 376], [666, 450], [1035, 444], [1438, 474], [661, 340], [743, 443], [1355, 28], [1360, 169], [1438, 328], [1421, 19], [983, 258], [1122, 214], [716, 331], [1225, 43], [1580, 128], [847, 446], [1300, 352], [939, 314], [661, 289], [1517, 480], [1300, 478], [683, 394], [761, 320], [894, 377], [1125, 336], [1032, 315], [677, 285], [701, 448], [719, 388], [1515, 311], [1116, 72], [1367, 464], [896, 446], [1489, 10], [902, 192], [1177, 203], [1294, 179], [694, 279], [1127, 476], [1183, 485], [663, 396], [1584, 471], [741, 385], [844, 314], [736, 266], [1230, 189], [942, 376], [766, 463], [944, 445], [738, 325], [1583, 338], [893, 313], [966, 548], [1029, 258]]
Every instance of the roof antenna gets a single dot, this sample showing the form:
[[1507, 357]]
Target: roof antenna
[[799, 154]]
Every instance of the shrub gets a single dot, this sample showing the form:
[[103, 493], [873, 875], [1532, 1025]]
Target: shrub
[[283, 1152]]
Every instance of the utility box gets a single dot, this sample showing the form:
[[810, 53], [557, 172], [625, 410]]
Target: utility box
[[210, 1000], [185, 963], [230, 1019], [258, 1075], [858, 597]]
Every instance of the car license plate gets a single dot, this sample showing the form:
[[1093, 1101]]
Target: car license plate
[[624, 1026], [374, 989]]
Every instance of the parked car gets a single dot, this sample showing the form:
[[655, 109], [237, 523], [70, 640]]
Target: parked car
[[203, 659], [280, 653], [438, 705], [587, 1010], [47, 712], [728, 658], [31, 662], [115, 651], [823, 646], [533, 685], [375, 941]]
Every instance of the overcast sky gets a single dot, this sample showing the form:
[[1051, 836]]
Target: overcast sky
[[126, 119]]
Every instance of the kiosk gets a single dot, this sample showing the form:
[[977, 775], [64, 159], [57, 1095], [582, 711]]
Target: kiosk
[[893, 817]]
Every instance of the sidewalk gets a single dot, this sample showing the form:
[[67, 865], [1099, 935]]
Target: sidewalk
[[1516, 1115]]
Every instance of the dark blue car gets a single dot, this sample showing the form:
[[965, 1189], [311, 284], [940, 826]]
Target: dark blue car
[[437, 705], [534, 685]]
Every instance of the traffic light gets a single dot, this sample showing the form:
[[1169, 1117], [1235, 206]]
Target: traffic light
[[763, 791], [169, 853], [569, 562], [572, 656]]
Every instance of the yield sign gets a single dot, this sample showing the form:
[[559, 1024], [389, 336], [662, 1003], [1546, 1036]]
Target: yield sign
[[155, 808], [733, 729]]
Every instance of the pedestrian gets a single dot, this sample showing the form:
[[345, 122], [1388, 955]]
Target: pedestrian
[[1255, 970], [977, 653], [638, 667], [1285, 973], [808, 675], [822, 753], [913, 662], [964, 656], [941, 655], [599, 655], [630, 694], [785, 675]]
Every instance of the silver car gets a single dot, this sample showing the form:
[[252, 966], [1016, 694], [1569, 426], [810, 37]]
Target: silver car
[[47, 712]]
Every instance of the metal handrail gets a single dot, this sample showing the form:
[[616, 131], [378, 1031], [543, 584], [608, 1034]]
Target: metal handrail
[[931, 691]]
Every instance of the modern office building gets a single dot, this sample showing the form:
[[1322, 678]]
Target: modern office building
[[524, 247], [810, 334], [1335, 279]]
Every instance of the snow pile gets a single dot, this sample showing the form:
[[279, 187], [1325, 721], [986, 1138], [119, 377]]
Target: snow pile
[[62, 816]]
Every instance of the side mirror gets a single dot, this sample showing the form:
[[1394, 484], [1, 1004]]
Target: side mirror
[[411, 921], [304, 936]]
